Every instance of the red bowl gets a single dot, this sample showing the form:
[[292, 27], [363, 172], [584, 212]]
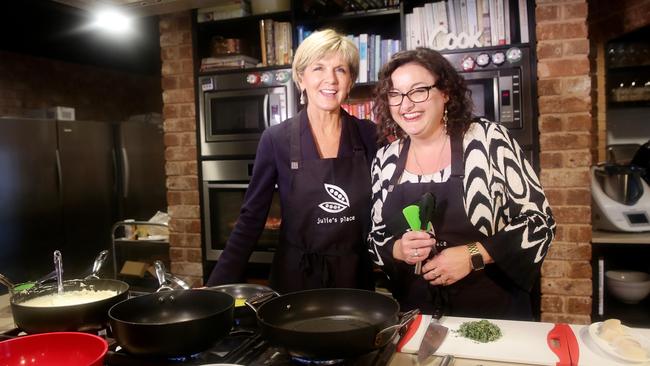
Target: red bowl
[[54, 349]]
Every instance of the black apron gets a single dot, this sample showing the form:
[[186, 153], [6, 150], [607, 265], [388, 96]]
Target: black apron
[[482, 294], [322, 241]]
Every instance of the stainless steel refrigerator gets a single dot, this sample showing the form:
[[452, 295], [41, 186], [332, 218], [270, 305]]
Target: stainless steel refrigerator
[[58, 185]]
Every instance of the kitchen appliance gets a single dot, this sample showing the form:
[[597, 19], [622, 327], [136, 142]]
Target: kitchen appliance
[[621, 199], [642, 159], [224, 186], [141, 167], [502, 90], [63, 183], [236, 107], [58, 189]]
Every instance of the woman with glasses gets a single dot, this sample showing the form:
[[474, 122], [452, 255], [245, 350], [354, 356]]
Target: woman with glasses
[[479, 250], [319, 160]]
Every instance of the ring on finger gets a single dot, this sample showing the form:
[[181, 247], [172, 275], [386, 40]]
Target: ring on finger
[[415, 253]]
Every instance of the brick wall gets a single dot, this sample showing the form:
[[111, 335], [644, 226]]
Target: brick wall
[[29, 83], [180, 142], [566, 143]]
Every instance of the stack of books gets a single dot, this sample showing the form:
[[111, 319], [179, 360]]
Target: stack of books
[[227, 62], [456, 24], [276, 42]]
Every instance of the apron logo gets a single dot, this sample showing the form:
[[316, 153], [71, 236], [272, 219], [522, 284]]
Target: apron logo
[[342, 201]]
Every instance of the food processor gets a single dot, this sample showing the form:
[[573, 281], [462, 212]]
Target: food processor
[[620, 197]]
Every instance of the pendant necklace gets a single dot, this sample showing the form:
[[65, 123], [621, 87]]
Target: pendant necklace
[[438, 158]]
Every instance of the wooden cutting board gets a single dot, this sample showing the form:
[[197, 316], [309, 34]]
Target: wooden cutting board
[[523, 342]]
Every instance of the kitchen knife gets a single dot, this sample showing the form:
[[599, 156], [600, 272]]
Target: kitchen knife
[[433, 338]]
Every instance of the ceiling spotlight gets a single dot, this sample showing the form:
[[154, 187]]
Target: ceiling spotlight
[[113, 21]]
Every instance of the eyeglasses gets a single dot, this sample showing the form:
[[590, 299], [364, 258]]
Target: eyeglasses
[[415, 95]]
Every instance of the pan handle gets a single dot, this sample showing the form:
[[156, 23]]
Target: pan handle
[[257, 300], [5, 281], [162, 276], [387, 333]]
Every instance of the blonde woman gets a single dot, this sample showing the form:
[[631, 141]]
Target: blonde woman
[[320, 161]]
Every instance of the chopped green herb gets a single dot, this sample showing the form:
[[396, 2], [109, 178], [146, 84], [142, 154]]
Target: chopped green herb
[[481, 331]]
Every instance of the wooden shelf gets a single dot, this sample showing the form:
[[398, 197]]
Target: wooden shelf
[[283, 15], [307, 20], [611, 237]]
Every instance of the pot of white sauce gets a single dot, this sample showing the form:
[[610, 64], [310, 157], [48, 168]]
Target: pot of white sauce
[[82, 306]]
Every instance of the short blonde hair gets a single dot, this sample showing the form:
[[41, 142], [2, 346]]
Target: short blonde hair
[[319, 44]]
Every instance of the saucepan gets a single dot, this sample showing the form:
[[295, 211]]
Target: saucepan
[[329, 323], [47, 315], [172, 323], [243, 315], [82, 306], [54, 349]]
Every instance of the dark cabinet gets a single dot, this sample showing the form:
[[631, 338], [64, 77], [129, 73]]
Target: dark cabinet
[[619, 251]]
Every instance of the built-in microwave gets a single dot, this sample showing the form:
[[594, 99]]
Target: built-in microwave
[[235, 107], [501, 86]]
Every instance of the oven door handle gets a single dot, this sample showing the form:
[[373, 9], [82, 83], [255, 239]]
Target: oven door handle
[[227, 185], [266, 111]]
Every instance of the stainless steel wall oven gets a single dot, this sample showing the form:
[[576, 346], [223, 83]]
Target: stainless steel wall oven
[[236, 107], [224, 186], [502, 87]]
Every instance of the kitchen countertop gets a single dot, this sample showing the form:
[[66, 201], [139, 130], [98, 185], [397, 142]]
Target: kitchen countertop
[[519, 338], [522, 343], [610, 237]]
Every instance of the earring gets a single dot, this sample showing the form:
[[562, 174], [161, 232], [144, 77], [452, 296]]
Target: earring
[[445, 118], [303, 97]]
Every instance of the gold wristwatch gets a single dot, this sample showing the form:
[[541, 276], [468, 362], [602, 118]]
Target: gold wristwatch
[[476, 259]]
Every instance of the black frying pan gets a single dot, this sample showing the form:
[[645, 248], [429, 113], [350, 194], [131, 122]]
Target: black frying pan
[[330, 323], [172, 323]]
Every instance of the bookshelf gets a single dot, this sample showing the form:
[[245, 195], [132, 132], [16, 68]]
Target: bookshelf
[[378, 27], [385, 26]]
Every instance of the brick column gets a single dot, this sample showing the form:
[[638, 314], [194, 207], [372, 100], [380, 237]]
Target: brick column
[[566, 139], [180, 142]]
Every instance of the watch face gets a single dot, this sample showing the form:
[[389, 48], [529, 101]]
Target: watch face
[[513, 55], [498, 58], [477, 262]]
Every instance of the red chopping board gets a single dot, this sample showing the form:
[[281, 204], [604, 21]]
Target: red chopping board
[[522, 342]]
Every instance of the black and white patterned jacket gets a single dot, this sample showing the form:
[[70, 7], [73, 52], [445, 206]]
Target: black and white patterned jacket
[[503, 198]]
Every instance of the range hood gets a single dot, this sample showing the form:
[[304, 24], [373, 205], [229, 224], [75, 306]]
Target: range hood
[[142, 8]]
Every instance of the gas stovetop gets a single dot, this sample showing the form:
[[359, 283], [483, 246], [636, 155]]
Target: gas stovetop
[[243, 346]]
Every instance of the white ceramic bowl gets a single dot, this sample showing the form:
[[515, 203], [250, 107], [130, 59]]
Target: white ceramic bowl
[[629, 287]]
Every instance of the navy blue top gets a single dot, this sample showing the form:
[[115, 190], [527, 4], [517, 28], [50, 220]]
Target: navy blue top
[[271, 167]]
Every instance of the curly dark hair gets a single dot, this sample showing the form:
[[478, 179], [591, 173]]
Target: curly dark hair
[[459, 106]]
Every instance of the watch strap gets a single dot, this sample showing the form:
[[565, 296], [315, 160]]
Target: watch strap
[[476, 259]]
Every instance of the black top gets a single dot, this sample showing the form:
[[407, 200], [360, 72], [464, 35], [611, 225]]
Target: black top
[[272, 166]]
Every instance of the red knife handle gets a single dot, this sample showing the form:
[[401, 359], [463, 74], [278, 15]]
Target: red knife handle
[[412, 328], [572, 342], [557, 342]]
